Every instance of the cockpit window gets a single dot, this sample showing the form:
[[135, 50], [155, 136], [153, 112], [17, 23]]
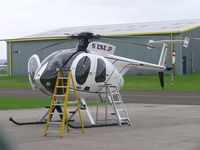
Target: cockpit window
[[56, 61], [82, 70], [50, 57], [60, 60], [101, 71]]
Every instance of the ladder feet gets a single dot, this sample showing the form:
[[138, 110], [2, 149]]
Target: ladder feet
[[113, 113], [83, 107], [72, 120], [72, 112]]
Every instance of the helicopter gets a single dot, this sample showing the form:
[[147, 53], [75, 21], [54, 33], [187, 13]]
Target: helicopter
[[92, 64]]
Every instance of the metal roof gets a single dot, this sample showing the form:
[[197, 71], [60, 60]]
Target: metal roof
[[162, 27]]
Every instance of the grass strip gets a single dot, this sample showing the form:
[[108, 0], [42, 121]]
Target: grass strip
[[189, 82], [26, 103], [22, 103], [14, 82], [2, 72]]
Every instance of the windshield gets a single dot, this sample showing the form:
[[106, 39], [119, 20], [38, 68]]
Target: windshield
[[56, 61], [47, 60], [61, 60]]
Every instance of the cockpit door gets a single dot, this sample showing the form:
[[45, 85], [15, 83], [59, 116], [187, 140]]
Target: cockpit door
[[33, 65]]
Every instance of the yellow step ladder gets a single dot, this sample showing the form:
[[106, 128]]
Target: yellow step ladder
[[63, 83]]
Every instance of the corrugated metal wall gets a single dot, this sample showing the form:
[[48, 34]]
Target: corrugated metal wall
[[22, 51], [192, 53]]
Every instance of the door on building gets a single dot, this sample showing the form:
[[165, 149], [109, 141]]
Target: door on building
[[184, 65]]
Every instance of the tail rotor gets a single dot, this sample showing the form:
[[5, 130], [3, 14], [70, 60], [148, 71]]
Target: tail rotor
[[161, 77]]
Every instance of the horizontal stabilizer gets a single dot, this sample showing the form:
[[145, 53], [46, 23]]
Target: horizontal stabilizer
[[184, 42]]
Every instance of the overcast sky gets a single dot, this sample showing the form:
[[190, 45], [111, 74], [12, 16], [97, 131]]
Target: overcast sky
[[23, 17]]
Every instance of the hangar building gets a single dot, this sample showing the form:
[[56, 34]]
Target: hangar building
[[187, 59]]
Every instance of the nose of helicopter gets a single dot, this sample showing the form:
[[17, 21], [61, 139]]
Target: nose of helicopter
[[39, 74], [33, 66], [46, 74]]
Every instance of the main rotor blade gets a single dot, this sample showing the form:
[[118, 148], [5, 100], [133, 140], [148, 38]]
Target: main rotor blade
[[119, 36], [54, 44], [132, 43]]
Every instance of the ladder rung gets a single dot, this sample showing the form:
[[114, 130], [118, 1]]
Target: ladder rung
[[118, 101], [72, 102], [56, 113], [124, 119], [51, 131], [61, 86], [62, 77], [57, 104], [116, 93], [121, 109], [60, 95], [55, 122]]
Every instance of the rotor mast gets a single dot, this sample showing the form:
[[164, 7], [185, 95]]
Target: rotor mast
[[84, 39]]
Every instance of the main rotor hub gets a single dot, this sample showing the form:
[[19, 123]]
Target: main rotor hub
[[84, 39], [86, 35]]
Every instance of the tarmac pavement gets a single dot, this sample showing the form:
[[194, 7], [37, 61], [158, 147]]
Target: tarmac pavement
[[151, 97], [161, 120], [154, 127]]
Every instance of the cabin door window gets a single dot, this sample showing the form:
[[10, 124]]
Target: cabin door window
[[101, 71], [82, 70]]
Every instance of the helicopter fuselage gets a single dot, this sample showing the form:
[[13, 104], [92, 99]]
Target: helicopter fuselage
[[90, 72]]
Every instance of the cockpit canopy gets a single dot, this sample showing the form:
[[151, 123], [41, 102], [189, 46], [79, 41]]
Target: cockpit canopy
[[59, 60]]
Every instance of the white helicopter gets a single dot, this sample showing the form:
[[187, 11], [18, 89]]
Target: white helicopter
[[92, 64]]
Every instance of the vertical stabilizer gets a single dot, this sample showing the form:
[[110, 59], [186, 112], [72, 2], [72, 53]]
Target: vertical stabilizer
[[163, 55]]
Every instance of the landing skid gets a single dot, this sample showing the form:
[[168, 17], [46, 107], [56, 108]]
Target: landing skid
[[42, 119], [72, 126], [25, 123], [93, 125]]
